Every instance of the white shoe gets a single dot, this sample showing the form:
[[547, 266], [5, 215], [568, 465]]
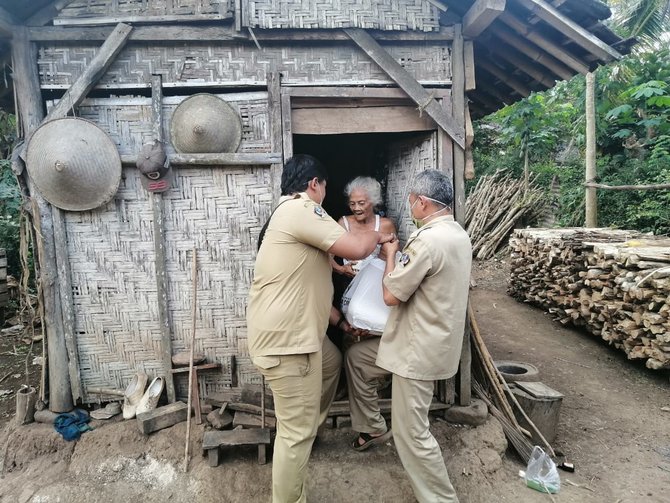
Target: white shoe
[[133, 394], [151, 396]]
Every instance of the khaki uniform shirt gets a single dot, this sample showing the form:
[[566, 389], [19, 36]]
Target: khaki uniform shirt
[[424, 334], [292, 290]]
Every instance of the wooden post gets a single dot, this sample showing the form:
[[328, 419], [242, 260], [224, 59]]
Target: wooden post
[[274, 107], [458, 111], [159, 245], [591, 201], [31, 113]]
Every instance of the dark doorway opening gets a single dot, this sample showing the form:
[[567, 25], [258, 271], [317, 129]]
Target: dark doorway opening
[[347, 156]]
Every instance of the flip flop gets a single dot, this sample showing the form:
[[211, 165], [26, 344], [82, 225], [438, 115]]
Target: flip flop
[[369, 440]]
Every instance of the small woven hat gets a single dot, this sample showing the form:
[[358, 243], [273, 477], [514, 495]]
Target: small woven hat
[[74, 164], [204, 123]]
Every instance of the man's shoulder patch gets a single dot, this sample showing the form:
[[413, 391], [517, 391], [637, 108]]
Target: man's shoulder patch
[[318, 210], [404, 259]]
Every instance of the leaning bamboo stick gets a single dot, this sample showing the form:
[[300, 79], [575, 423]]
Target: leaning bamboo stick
[[190, 361], [480, 342]]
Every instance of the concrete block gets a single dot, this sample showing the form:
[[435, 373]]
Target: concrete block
[[474, 414]]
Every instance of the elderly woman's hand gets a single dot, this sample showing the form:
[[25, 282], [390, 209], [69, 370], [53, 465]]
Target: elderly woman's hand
[[389, 249], [346, 270]]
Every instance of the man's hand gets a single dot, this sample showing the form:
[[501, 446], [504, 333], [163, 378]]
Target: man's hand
[[390, 248]]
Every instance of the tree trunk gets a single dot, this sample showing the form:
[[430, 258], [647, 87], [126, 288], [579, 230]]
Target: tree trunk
[[591, 202]]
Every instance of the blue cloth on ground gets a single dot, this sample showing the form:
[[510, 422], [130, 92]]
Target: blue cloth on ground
[[72, 424]]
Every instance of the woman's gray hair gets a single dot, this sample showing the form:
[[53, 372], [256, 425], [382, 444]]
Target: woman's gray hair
[[435, 185], [367, 184]]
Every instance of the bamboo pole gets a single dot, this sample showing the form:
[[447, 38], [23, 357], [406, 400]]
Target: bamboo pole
[[194, 273], [591, 202]]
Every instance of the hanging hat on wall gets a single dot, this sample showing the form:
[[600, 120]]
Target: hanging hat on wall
[[204, 123], [154, 165], [74, 164]]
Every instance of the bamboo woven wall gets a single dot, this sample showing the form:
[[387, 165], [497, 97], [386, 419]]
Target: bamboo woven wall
[[371, 14], [405, 158], [128, 120], [124, 10], [202, 64], [218, 209]]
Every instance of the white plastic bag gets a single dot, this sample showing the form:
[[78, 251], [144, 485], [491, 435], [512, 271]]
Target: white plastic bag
[[363, 301], [541, 473]]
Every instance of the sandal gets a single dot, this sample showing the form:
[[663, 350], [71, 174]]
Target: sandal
[[369, 440]]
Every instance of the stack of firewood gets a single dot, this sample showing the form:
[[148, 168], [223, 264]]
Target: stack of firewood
[[496, 205], [614, 283]]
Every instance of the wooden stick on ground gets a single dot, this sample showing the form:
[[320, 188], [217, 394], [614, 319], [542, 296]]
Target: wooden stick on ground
[[190, 362]]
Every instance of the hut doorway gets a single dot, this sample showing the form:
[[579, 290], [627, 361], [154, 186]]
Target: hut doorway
[[362, 131]]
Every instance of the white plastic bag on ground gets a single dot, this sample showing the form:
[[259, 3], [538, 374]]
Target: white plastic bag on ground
[[363, 301], [541, 473]]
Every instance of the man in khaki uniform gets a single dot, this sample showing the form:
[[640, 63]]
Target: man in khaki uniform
[[287, 316], [428, 285]]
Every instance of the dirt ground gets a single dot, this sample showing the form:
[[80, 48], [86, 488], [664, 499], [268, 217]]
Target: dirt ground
[[612, 428]]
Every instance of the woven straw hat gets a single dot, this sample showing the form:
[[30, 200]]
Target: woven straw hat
[[204, 123], [74, 164]]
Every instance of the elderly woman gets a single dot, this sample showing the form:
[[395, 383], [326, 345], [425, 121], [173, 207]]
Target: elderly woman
[[365, 195]]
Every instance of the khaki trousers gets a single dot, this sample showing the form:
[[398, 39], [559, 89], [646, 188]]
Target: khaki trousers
[[419, 452], [362, 380], [302, 386]]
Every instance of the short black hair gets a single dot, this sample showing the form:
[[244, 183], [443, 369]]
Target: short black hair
[[298, 171]]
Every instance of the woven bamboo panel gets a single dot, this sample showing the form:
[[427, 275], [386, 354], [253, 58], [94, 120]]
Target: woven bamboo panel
[[111, 251], [241, 64], [220, 211], [405, 159], [371, 14], [122, 10], [128, 120]]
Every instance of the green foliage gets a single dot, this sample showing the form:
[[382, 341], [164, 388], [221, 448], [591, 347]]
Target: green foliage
[[633, 141], [10, 196]]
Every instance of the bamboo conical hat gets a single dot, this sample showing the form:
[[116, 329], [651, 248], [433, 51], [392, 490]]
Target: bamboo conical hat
[[74, 164], [204, 123]]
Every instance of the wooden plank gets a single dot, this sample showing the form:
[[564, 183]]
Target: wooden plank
[[247, 420], [31, 113], [158, 215], [99, 64], [67, 301], [580, 35], [47, 13], [247, 393], [359, 120], [286, 129], [192, 32], [355, 92], [217, 438], [162, 417], [274, 112], [469, 53], [530, 35], [408, 83], [465, 369], [171, 18], [249, 408], [458, 112], [458, 100], [222, 160], [480, 16]]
